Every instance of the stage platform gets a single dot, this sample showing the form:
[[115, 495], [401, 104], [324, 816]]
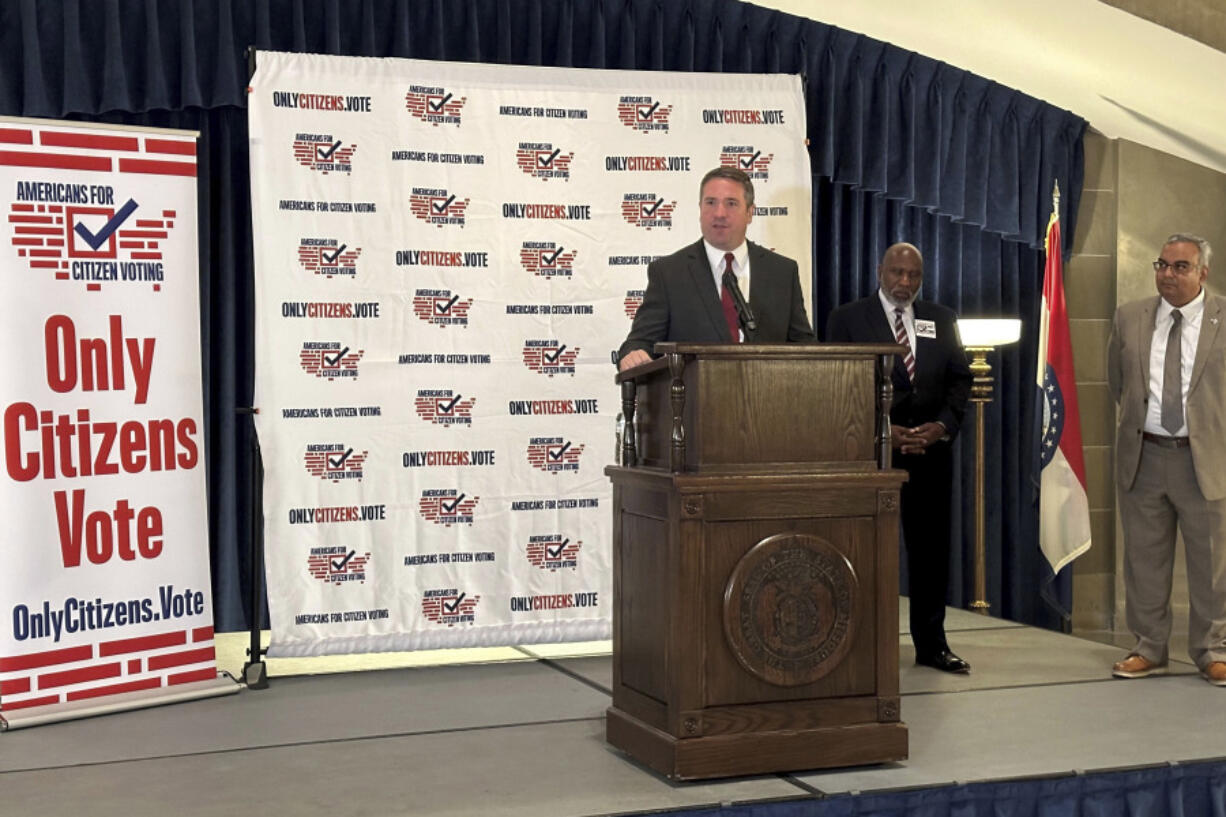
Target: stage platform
[[526, 737]]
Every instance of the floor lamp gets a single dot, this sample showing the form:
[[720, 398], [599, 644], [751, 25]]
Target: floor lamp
[[980, 336]]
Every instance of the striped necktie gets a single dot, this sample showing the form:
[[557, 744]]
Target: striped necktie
[[900, 336]]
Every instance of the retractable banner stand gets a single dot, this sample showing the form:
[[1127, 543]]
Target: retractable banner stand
[[446, 254], [105, 588]]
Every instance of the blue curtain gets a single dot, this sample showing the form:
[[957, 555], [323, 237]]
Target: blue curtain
[[898, 129]]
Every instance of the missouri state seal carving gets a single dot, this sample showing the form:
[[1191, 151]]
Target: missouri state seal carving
[[789, 609]]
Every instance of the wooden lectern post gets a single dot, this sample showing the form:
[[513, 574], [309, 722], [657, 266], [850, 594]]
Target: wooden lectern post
[[755, 621]]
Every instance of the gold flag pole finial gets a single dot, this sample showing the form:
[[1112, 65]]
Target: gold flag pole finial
[[1055, 196]]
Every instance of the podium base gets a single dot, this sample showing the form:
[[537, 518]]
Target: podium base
[[755, 752]]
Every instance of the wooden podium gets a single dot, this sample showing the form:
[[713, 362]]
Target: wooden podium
[[755, 584]]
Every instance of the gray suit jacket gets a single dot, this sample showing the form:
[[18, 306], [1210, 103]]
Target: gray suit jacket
[[682, 304], [1205, 410]]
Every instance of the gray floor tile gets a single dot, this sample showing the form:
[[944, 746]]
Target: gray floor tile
[[956, 619]]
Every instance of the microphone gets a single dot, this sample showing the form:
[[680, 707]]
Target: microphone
[[744, 313]]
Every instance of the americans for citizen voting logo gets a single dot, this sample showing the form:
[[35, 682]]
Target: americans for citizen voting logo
[[550, 357], [337, 565], [553, 552], [634, 299], [643, 114], [87, 236], [541, 160], [754, 163], [647, 210], [449, 606], [545, 259], [443, 407], [333, 461], [323, 153], [553, 455], [330, 360], [329, 257], [447, 506], [435, 105], [441, 307], [437, 206]]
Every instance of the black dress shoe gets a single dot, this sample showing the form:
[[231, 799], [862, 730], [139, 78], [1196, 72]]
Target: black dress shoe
[[945, 661]]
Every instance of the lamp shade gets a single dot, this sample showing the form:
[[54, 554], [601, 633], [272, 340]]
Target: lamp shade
[[989, 332]]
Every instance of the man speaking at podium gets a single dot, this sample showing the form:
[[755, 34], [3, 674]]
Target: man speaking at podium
[[692, 295], [932, 383]]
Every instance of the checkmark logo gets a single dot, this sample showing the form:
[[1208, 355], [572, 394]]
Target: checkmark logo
[[545, 161], [450, 507], [442, 208], [339, 564], [453, 606], [335, 360], [324, 154], [338, 462], [436, 103], [650, 209], [747, 161], [96, 240], [552, 357], [646, 113], [555, 551], [447, 406], [330, 258], [546, 258], [556, 452], [443, 308]]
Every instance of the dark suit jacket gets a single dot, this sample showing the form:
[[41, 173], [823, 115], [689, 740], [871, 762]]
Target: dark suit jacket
[[682, 303], [942, 376]]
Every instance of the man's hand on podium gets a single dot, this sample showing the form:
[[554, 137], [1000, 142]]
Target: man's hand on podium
[[634, 357]]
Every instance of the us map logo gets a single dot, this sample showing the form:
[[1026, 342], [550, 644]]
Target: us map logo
[[541, 160], [634, 299], [550, 357], [450, 607], [553, 455], [437, 207], [447, 506], [92, 243], [438, 106], [643, 114], [546, 259], [323, 154], [333, 461], [444, 407], [328, 257], [441, 307], [329, 359], [337, 564], [647, 210], [745, 158], [553, 553]]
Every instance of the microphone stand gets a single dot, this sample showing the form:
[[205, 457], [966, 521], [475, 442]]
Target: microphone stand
[[743, 312]]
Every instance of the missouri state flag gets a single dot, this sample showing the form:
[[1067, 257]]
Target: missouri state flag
[[1064, 510]]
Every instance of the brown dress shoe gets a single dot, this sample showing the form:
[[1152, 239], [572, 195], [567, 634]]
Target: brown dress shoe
[[1138, 666], [1215, 673]]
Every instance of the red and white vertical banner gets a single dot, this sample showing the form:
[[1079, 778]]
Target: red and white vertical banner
[[104, 594], [445, 256]]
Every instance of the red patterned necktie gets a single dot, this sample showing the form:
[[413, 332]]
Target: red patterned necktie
[[734, 326], [900, 336]]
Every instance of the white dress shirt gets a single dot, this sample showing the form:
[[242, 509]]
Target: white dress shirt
[[740, 266], [1189, 333], [908, 320]]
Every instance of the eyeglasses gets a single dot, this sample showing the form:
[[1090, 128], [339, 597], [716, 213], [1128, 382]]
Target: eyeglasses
[[1180, 267]]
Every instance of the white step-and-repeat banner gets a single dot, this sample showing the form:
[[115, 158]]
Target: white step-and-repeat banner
[[105, 585], [445, 256]]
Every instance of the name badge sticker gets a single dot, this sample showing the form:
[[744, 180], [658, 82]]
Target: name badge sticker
[[926, 329]]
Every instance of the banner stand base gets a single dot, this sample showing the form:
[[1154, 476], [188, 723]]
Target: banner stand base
[[223, 684], [255, 675]]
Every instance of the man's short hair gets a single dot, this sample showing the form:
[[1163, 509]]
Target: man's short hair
[[1187, 238], [732, 174]]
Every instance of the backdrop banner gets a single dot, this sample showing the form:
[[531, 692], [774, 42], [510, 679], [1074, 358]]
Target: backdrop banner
[[105, 586], [446, 254]]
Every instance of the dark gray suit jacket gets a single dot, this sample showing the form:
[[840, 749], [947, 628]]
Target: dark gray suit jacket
[[682, 303]]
